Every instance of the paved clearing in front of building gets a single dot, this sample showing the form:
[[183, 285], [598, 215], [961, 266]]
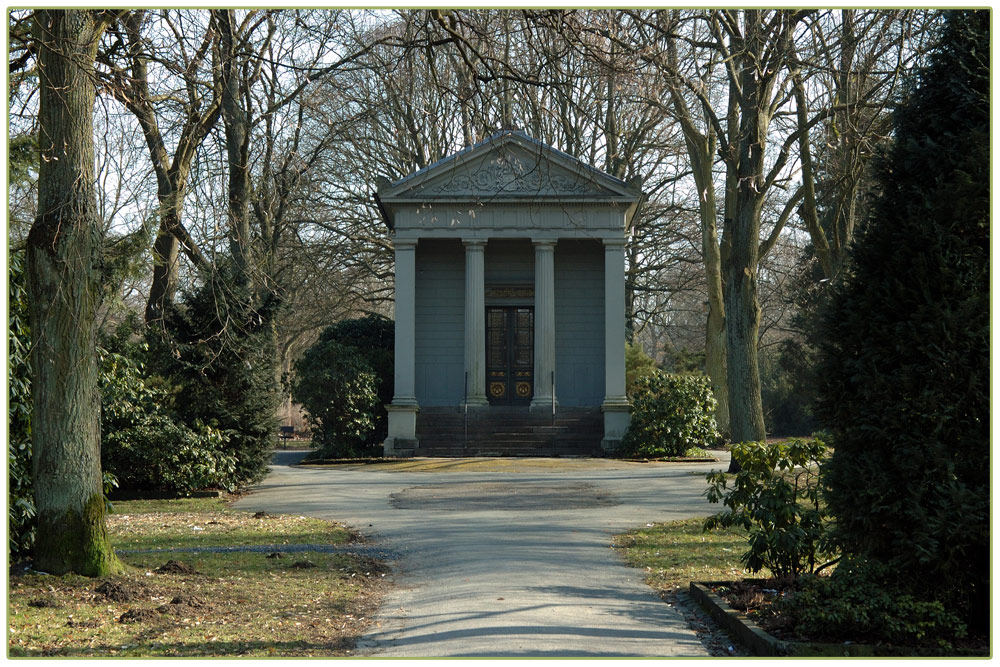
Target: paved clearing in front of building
[[482, 464], [506, 563]]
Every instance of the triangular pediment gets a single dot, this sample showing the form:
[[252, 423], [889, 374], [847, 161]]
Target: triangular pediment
[[508, 165]]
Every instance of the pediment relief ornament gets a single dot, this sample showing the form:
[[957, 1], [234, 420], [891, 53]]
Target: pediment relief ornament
[[510, 174]]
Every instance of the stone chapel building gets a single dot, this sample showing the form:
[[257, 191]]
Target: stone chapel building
[[510, 303]]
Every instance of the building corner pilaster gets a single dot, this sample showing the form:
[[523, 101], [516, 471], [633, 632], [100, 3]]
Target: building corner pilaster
[[616, 406], [402, 412]]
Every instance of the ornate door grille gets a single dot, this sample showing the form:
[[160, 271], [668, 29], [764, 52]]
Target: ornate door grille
[[510, 361]]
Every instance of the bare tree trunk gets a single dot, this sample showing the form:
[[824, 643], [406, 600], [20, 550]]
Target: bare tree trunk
[[128, 81], [236, 122], [701, 152], [166, 270], [746, 411], [64, 283], [171, 238], [728, 216], [715, 325], [809, 211]]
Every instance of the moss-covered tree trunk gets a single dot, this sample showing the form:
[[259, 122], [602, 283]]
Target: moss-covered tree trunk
[[746, 412], [715, 330], [752, 81], [64, 287]]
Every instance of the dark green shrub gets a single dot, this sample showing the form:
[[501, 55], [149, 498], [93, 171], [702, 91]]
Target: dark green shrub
[[638, 365], [20, 499], [373, 339], [787, 390], [217, 352], [775, 497], [858, 603], [339, 392], [143, 447], [670, 415], [905, 363], [684, 361]]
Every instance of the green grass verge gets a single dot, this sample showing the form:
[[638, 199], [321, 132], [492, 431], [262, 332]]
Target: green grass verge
[[245, 604], [173, 505], [135, 525], [676, 553]]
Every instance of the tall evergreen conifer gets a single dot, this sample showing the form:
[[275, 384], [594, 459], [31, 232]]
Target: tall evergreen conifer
[[217, 349], [905, 363]]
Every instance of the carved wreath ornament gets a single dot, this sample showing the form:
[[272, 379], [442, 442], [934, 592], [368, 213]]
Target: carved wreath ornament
[[509, 173]]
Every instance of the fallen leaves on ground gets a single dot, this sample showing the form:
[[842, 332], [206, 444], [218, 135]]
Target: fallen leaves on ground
[[210, 604]]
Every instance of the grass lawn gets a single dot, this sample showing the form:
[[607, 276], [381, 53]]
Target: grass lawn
[[676, 553], [232, 604]]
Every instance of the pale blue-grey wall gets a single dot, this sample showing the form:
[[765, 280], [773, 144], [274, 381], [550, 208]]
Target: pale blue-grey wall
[[510, 262], [579, 296], [440, 323], [440, 316]]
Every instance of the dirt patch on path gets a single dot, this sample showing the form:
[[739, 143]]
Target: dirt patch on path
[[473, 496]]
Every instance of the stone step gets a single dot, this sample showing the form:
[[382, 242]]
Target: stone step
[[494, 450], [484, 433], [479, 438], [518, 423], [502, 430], [509, 431], [505, 448]]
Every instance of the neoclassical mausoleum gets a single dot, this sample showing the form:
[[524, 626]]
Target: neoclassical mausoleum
[[510, 302]]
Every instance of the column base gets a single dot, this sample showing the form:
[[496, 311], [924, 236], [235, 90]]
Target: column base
[[402, 436], [399, 448], [474, 402], [610, 446], [542, 404], [617, 415]]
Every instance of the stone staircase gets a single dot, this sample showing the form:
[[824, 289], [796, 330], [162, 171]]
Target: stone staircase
[[509, 431]]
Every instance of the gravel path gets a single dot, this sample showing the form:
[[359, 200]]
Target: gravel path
[[507, 564]]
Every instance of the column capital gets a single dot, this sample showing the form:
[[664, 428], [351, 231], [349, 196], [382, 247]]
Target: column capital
[[473, 244], [404, 244], [613, 244], [544, 242]]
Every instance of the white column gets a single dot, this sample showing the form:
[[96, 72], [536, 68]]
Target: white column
[[403, 409], [615, 407], [475, 323], [545, 324]]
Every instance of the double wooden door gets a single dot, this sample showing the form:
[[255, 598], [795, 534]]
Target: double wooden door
[[510, 348]]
